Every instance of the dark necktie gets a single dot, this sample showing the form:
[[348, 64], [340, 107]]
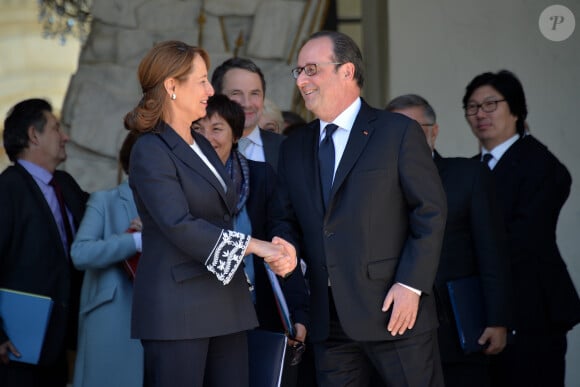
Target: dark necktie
[[486, 158], [63, 213], [326, 162]]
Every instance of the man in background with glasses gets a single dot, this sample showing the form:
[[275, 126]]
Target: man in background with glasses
[[474, 245], [361, 197], [532, 186]]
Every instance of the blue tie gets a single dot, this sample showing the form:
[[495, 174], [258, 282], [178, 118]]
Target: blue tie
[[326, 162], [486, 158]]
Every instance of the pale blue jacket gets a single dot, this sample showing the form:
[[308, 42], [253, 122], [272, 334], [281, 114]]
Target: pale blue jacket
[[107, 356]]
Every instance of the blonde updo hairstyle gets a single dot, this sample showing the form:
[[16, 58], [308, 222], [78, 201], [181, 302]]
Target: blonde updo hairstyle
[[170, 59]]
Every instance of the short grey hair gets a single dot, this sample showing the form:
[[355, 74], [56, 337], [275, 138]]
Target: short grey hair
[[410, 101]]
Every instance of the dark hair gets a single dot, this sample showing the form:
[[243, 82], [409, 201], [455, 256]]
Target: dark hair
[[20, 117], [510, 87], [217, 78], [125, 151], [229, 110], [292, 118], [170, 59], [410, 101], [345, 50]]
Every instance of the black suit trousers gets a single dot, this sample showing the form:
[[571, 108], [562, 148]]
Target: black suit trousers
[[207, 362], [407, 362]]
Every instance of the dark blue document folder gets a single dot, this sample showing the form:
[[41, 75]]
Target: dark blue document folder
[[267, 351], [25, 317], [466, 297]]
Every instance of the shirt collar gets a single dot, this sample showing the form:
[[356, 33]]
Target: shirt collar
[[499, 150], [255, 137], [345, 120], [37, 171]]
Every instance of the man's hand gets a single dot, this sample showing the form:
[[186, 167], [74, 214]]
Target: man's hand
[[300, 334], [405, 304], [496, 337], [5, 349], [283, 264]]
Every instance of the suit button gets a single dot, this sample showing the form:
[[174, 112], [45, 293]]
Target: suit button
[[226, 218], [328, 234]]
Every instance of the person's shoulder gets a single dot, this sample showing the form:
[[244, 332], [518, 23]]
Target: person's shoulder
[[271, 136], [532, 151], [260, 167]]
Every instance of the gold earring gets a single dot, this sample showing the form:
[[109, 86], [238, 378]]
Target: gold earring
[[173, 96]]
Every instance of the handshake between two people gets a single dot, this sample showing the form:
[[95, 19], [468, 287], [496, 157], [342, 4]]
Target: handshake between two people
[[279, 254]]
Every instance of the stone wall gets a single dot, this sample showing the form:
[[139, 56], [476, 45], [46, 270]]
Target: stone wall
[[105, 85]]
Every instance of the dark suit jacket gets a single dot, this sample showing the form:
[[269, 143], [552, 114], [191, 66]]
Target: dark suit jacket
[[474, 244], [32, 257], [258, 205], [186, 216], [271, 142], [384, 223], [532, 186]]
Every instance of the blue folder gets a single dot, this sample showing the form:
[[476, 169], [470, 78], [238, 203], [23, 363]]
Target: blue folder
[[468, 306], [25, 318], [267, 351]]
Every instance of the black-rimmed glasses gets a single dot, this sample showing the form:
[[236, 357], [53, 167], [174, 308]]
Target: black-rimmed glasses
[[310, 69], [471, 109]]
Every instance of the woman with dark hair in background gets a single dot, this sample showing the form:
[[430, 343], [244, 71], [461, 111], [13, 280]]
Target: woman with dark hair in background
[[255, 182]]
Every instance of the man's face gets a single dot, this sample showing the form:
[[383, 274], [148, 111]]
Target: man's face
[[323, 92], [245, 87], [417, 113], [49, 145], [495, 127]]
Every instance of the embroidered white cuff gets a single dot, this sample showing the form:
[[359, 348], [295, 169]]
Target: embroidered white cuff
[[227, 255]]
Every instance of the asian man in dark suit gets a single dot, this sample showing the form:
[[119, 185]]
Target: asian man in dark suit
[[367, 209], [243, 81], [474, 245], [35, 237], [532, 186]]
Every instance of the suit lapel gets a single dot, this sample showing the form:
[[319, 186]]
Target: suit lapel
[[359, 136], [38, 197], [190, 158], [126, 196]]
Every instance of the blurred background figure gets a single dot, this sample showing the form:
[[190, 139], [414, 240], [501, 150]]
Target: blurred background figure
[[532, 186], [241, 80], [271, 119], [110, 233], [41, 208], [474, 244], [292, 121]]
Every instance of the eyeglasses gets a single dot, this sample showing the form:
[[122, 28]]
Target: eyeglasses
[[427, 125], [310, 69], [487, 106]]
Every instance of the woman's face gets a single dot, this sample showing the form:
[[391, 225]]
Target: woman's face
[[192, 94], [495, 127], [218, 132]]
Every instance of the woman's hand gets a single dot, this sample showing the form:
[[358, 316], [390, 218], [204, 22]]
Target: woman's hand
[[278, 254]]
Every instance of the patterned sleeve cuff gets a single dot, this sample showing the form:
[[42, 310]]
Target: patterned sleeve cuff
[[227, 255]]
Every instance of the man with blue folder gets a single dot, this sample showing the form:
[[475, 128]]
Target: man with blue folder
[[41, 209]]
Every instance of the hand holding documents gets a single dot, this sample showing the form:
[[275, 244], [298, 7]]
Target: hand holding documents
[[26, 318], [466, 297]]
